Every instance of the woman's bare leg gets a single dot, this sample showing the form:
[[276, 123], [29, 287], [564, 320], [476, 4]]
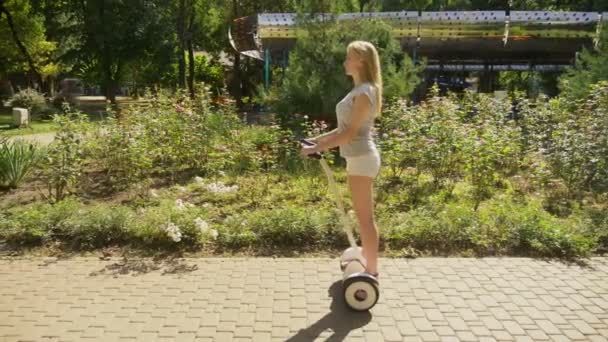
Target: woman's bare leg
[[361, 188]]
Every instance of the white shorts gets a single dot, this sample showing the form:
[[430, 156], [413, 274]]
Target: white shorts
[[365, 165]]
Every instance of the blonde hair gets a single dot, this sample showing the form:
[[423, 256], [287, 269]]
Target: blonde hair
[[371, 72]]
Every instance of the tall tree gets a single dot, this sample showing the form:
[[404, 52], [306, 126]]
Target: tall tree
[[117, 32], [26, 34]]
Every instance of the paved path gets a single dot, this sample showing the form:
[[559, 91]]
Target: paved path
[[42, 139], [264, 299]]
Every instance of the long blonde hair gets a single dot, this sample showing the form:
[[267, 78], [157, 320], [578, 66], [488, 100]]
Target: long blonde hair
[[372, 72]]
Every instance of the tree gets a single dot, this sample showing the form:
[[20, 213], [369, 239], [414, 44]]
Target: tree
[[117, 32], [590, 68], [23, 45], [315, 81]]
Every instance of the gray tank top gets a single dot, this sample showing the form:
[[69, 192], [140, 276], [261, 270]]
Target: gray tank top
[[363, 142]]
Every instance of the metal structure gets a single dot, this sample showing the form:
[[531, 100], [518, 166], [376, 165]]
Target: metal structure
[[449, 40]]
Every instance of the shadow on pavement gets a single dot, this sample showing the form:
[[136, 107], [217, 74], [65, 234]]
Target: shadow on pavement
[[340, 319]]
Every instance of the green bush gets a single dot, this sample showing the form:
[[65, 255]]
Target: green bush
[[154, 228], [591, 67], [278, 228], [206, 70], [17, 159], [434, 229], [506, 227], [499, 227], [425, 137], [38, 223], [579, 147], [596, 226], [177, 134], [449, 138], [64, 159], [24, 228], [120, 153], [78, 226], [30, 99]]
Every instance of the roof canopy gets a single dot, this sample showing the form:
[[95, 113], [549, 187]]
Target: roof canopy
[[456, 38]]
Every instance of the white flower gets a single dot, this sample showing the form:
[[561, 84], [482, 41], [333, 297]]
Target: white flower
[[206, 205], [201, 224], [173, 231], [214, 234], [181, 189], [198, 179], [220, 187], [181, 205]]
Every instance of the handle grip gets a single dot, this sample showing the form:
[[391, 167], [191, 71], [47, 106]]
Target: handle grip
[[307, 142]]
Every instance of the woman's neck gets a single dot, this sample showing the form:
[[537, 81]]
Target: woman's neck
[[357, 80]]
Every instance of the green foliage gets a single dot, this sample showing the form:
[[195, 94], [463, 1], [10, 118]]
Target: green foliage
[[64, 159], [276, 228], [591, 67], [30, 99], [579, 148], [17, 159], [31, 31], [207, 71], [469, 175], [78, 226], [499, 227], [315, 79], [533, 83], [449, 138], [119, 153], [491, 144], [152, 229], [167, 135], [83, 227]]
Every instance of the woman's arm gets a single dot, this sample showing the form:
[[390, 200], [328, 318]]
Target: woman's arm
[[324, 136]]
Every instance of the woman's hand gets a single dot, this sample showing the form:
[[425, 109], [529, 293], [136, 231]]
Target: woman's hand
[[308, 150]]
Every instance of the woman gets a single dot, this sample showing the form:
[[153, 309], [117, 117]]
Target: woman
[[356, 113]]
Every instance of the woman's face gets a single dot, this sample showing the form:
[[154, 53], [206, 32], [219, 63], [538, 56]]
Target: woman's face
[[352, 64]]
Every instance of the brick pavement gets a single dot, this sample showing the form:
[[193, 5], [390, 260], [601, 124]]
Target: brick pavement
[[265, 299]]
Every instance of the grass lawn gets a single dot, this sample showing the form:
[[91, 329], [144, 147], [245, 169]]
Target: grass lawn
[[6, 118], [93, 106]]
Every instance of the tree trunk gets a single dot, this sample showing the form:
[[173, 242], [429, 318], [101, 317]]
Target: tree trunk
[[181, 26], [237, 64], [191, 68], [191, 49]]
